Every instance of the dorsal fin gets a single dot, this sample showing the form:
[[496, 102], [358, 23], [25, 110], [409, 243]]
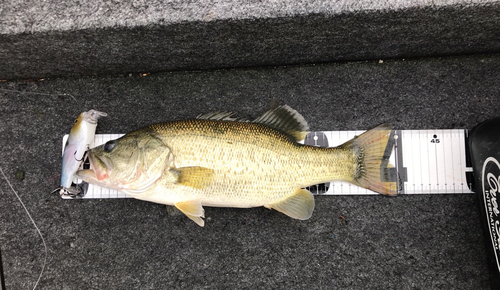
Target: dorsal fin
[[287, 120], [220, 116]]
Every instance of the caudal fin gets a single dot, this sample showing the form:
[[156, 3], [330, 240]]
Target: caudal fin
[[370, 147]]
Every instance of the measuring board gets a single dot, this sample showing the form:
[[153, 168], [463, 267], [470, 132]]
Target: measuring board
[[425, 162]]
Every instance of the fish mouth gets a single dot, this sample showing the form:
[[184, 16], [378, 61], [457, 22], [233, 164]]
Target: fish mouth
[[98, 172]]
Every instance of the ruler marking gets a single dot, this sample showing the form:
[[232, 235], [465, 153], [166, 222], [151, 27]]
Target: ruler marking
[[437, 159], [433, 178], [445, 180], [399, 162], [449, 160], [411, 171], [462, 161], [399, 187], [408, 159], [426, 182], [423, 186], [459, 174], [428, 162], [431, 163], [442, 181], [406, 183], [446, 172], [457, 151], [464, 145], [435, 186], [419, 181], [454, 176], [450, 156], [402, 170]]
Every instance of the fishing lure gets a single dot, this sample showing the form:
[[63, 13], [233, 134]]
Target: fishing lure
[[81, 135]]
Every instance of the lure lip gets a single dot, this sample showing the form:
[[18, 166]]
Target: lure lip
[[92, 116]]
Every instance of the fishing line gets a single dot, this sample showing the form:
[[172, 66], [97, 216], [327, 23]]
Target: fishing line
[[36, 227], [38, 93]]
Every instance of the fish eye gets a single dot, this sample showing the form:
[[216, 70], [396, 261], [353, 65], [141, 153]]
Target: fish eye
[[108, 147]]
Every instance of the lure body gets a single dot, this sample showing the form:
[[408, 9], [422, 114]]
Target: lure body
[[81, 135]]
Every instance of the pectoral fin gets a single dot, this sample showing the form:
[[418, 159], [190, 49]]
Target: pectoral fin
[[299, 205], [195, 176], [193, 210]]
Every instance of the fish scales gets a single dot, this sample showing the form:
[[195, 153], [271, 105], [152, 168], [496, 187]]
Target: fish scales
[[253, 164]]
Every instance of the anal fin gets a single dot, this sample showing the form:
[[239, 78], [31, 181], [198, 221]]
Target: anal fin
[[299, 205], [193, 210]]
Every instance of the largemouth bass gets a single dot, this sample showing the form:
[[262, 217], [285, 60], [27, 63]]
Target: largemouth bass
[[215, 160], [81, 135]]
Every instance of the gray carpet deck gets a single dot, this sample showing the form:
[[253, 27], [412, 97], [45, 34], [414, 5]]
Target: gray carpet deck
[[40, 39], [406, 242]]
